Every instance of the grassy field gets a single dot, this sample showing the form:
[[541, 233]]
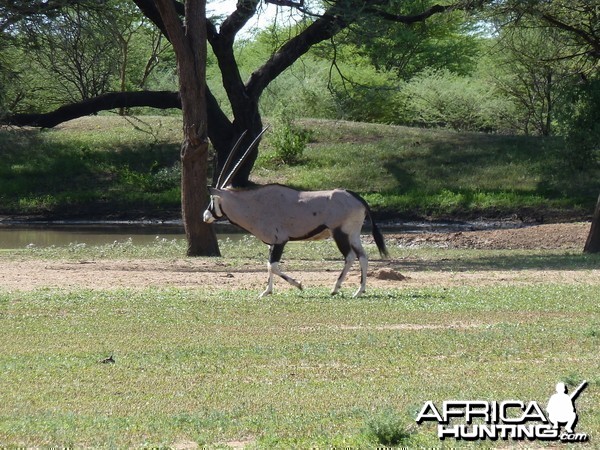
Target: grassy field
[[112, 166], [219, 368]]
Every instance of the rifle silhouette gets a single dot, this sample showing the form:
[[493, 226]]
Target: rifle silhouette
[[577, 391]]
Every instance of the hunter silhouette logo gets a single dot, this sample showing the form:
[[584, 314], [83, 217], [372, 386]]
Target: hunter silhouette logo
[[561, 407], [507, 420]]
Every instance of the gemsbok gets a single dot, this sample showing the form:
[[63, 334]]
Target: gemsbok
[[277, 214]]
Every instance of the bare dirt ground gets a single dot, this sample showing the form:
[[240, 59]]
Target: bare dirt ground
[[551, 236], [28, 274]]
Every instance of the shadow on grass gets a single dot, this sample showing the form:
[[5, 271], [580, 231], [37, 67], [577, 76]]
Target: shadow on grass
[[43, 173], [466, 171]]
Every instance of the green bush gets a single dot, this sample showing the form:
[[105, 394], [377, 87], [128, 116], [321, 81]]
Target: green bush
[[387, 428], [156, 180], [579, 123], [289, 142], [441, 98]]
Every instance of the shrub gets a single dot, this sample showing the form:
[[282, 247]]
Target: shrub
[[157, 179], [387, 428], [289, 142], [442, 98], [578, 122]]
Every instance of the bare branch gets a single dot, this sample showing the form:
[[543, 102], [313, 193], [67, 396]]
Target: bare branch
[[593, 41], [435, 9], [287, 3], [111, 100], [237, 19]]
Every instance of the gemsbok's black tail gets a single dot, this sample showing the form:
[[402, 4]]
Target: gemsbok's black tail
[[377, 235]]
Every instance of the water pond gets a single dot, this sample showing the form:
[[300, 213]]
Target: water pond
[[15, 235]]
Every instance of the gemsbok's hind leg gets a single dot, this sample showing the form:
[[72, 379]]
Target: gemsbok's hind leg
[[275, 252]]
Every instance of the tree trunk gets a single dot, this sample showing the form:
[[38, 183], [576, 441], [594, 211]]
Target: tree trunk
[[201, 238], [189, 43], [123, 69], [592, 244]]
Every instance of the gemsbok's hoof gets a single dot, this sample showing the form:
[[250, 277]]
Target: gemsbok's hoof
[[265, 293]]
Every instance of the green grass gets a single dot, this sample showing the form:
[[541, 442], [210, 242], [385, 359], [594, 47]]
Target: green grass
[[296, 370], [107, 166], [297, 255]]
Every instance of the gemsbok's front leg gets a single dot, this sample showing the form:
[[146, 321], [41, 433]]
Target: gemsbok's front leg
[[357, 248], [275, 252], [351, 247], [350, 258]]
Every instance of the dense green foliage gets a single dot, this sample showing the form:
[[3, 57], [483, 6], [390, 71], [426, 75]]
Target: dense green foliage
[[79, 53], [108, 166], [501, 71], [121, 169], [581, 125], [504, 71]]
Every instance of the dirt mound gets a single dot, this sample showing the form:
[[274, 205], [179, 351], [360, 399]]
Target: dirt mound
[[389, 274]]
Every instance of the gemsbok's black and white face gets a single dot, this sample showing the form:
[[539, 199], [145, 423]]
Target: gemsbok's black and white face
[[213, 212], [277, 214]]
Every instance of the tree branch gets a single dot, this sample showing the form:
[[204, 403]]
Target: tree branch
[[219, 126], [409, 19], [288, 3], [237, 19], [222, 46], [13, 12], [591, 40], [111, 100], [148, 8], [320, 30]]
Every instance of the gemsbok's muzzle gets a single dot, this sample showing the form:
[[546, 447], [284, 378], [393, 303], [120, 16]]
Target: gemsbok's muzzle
[[213, 212]]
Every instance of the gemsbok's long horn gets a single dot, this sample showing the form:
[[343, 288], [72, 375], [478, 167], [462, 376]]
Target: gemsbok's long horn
[[238, 165], [229, 159]]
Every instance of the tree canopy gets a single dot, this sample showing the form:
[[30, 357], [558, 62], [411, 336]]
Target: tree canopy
[[321, 24]]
